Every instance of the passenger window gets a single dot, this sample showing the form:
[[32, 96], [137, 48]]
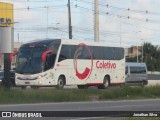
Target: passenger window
[[98, 53], [65, 53], [109, 53], [85, 53], [119, 53]]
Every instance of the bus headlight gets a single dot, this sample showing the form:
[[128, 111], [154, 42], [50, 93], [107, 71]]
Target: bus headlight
[[40, 82], [39, 77]]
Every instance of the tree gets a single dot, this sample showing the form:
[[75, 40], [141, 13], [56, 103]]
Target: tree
[[151, 56]]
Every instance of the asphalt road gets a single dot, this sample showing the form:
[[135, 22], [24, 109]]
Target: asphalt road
[[122, 105], [84, 108]]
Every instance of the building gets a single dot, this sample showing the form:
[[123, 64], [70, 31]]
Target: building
[[134, 51]]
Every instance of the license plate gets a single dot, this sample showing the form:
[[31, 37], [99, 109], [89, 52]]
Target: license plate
[[27, 82]]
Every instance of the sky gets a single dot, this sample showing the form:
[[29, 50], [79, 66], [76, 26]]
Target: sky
[[121, 22]]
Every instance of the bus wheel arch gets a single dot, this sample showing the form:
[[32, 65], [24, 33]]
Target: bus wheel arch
[[61, 82], [106, 82]]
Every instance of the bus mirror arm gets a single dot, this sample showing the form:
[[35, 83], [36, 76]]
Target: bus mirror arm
[[44, 55]]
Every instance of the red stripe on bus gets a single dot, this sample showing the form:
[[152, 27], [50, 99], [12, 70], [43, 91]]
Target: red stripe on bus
[[44, 55]]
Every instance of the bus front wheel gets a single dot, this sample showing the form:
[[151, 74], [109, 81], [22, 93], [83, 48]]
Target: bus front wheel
[[61, 83]]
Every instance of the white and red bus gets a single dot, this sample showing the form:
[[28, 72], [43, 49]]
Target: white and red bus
[[56, 62]]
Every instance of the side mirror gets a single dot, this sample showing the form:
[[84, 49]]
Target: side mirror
[[44, 55]]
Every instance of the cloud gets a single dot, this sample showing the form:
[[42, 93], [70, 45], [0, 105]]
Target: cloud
[[110, 25]]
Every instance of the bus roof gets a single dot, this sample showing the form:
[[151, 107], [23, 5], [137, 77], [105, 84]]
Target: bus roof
[[66, 41], [41, 42], [75, 42]]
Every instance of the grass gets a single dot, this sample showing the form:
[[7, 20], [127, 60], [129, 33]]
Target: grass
[[14, 96]]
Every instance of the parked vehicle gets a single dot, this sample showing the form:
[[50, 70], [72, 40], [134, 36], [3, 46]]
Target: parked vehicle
[[12, 77], [1, 76], [136, 74]]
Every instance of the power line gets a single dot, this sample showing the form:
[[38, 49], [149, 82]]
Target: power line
[[124, 9]]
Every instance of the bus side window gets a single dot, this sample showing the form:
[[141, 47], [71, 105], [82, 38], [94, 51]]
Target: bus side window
[[109, 53], [65, 53]]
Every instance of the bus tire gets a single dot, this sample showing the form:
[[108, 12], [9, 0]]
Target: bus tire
[[105, 83], [82, 86], [61, 83]]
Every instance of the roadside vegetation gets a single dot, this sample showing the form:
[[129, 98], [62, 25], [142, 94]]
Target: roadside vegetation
[[151, 54], [75, 95]]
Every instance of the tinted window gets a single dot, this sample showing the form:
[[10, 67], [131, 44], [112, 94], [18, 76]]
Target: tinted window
[[82, 52], [54, 47], [50, 60], [1, 74], [98, 53], [109, 53], [87, 52], [137, 70], [119, 53], [64, 54], [67, 52], [78, 52]]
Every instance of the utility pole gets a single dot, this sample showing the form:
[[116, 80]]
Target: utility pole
[[137, 54], [18, 37], [96, 21], [69, 20]]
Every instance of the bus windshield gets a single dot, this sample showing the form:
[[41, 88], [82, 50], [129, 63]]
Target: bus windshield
[[29, 60]]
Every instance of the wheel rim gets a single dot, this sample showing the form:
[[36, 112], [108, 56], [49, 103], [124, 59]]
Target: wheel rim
[[106, 83], [60, 83]]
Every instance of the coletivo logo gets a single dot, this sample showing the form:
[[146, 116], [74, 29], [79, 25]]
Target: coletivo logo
[[78, 55], [105, 65]]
